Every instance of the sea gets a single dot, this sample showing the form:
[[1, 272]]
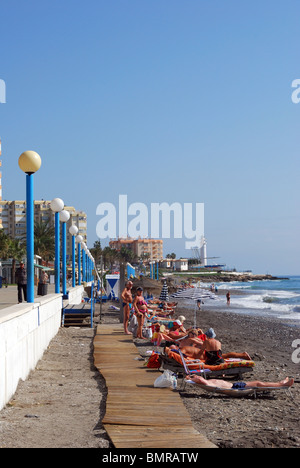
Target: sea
[[272, 298]]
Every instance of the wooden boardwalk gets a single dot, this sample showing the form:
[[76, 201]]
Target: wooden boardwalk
[[137, 414]]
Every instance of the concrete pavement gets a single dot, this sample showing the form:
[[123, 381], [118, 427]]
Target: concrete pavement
[[9, 295]]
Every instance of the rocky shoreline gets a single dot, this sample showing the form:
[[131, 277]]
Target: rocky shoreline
[[224, 277]]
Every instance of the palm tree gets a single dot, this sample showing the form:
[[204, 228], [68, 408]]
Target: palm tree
[[11, 248], [16, 251], [44, 240], [110, 256], [4, 244], [127, 255], [96, 251]]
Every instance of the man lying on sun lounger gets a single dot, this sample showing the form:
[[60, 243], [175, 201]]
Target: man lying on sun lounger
[[239, 385], [210, 351]]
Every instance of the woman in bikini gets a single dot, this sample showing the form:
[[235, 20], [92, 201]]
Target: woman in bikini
[[176, 332], [141, 309]]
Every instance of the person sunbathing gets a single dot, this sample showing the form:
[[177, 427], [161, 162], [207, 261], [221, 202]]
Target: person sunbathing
[[162, 308], [239, 385], [192, 339], [211, 351], [176, 332]]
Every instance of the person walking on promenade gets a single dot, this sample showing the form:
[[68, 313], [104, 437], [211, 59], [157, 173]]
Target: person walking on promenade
[[21, 279]]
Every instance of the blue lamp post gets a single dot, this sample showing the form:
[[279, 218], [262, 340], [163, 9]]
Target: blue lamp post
[[73, 230], [57, 205], [83, 262], [64, 217], [30, 162], [79, 239]]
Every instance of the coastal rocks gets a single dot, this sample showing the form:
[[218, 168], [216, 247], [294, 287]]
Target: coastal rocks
[[228, 277]]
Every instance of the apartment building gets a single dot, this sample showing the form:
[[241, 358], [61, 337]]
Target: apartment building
[[150, 248], [13, 219]]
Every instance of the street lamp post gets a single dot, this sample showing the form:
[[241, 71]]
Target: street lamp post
[[64, 218], [30, 162], [57, 205], [84, 247], [73, 230], [79, 239]]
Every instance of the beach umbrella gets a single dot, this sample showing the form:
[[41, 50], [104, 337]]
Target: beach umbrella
[[164, 295], [193, 294]]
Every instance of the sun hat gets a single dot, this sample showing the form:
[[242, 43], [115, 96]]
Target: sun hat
[[181, 318], [210, 333], [178, 322]]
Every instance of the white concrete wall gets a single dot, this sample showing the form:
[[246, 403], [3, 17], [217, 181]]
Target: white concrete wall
[[25, 333], [76, 294]]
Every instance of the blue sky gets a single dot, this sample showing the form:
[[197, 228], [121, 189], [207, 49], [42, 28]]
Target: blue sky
[[165, 101]]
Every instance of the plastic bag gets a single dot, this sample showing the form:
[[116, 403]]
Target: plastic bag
[[167, 379], [133, 325], [147, 333]]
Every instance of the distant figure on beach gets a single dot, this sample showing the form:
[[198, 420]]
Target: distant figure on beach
[[199, 304], [239, 385], [21, 280], [127, 301], [228, 298]]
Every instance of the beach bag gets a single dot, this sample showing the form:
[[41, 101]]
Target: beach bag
[[167, 379], [154, 361]]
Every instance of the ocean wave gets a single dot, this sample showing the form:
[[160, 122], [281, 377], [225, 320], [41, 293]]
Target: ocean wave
[[262, 302]]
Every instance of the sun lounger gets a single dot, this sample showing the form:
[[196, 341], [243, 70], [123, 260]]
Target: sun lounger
[[228, 368], [169, 363]]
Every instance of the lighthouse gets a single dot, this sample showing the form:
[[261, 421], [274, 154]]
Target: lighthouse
[[203, 252]]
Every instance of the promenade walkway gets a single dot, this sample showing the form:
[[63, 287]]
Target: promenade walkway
[[9, 295], [137, 414]]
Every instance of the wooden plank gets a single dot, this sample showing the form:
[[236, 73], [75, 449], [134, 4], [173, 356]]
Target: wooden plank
[[153, 437]]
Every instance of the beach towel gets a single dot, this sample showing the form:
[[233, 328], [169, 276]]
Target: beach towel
[[154, 361], [228, 364]]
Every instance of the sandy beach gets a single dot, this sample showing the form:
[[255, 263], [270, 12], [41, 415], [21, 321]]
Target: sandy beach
[[242, 423], [62, 403]]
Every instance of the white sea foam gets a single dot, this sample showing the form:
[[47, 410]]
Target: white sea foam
[[268, 302]]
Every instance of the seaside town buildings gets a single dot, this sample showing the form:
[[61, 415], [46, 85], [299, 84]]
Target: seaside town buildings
[[176, 264], [152, 249], [13, 219]]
